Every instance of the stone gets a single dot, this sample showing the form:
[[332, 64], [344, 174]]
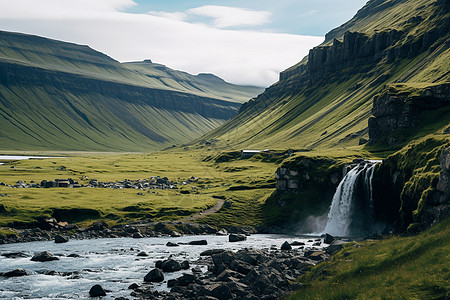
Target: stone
[[170, 244], [241, 266], [222, 231], [185, 265], [222, 292], [328, 239], [155, 275], [134, 286], [44, 256], [15, 255], [211, 252], [185, 279], [16, 273], [297, 243], [59, 239], [98, 225], [137, 235], [332, 249], [142, 254], [236, 237], [172, 283], [170, 265], [225, 258], [97, 291], [198, 243], [286, 246]]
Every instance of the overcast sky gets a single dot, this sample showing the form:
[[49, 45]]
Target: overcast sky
[[244, 42]]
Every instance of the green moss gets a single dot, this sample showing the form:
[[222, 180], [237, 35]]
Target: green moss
[[415, 171]]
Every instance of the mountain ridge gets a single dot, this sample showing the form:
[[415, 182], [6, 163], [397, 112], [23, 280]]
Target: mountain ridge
[[326, 99], [63, 96]]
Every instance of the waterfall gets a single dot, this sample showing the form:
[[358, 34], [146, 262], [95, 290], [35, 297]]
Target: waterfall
[[356, 184]]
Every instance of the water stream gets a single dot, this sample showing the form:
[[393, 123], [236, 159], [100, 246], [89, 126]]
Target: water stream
[[112, 263]]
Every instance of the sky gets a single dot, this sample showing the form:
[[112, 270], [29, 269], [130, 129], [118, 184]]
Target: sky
[[244, 42]]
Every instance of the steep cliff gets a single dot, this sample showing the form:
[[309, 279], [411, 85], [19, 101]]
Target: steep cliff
[[62, 96], [400, 108], [326, 100]]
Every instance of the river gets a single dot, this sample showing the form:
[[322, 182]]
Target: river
[[112, 263]]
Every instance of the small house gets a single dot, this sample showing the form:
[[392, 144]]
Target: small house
[[249, 153]]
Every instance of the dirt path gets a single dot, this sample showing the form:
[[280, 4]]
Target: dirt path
[[204, 213]]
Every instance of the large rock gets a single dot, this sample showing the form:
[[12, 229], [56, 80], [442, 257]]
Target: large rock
[[198, 243], [15, 273], [44, 256], [328, 239], [211, 252], [222, 292], [170, 265], [155, 275], [59, 239], [286, 246], [97, 291], [236, 237], [171, 244], [185, 279], [15, 255]]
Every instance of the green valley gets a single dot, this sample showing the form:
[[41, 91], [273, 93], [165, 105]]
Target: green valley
[[61, 96]]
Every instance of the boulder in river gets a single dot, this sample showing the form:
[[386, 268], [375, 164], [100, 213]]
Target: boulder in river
[[328, 239], [236, 237], [97, 291], [155, 275], [185, 265], [210, 252], [44, 256], [171, 244], [15, 255], [60, 239], [286, 246], [16, 273], [170, 265], [198, 243]]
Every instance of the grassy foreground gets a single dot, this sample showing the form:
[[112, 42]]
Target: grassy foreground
[[416, 267]]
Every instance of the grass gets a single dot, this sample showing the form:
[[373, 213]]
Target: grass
[[416, 267], [252, 177]]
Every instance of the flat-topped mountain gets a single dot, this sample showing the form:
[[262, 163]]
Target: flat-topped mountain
[[62, 96]]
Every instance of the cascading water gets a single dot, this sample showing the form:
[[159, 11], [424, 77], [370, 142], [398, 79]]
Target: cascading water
[[347, 198]]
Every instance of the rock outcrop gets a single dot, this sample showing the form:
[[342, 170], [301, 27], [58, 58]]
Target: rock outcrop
[[394, 110]]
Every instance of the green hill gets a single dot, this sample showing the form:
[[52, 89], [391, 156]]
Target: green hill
[[325, 100], [62, 96]]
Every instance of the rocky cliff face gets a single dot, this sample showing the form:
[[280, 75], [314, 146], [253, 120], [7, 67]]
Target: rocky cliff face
[[393, 110], [411, 187]]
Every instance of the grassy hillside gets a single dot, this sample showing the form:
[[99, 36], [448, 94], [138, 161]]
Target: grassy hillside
[[416, 267], [325, 101], [62, 96]]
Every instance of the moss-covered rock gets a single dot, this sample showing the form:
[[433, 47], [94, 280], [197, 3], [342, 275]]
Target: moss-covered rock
[[405, 186]]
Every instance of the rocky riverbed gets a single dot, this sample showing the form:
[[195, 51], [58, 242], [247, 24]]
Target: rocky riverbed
[[185, 267]]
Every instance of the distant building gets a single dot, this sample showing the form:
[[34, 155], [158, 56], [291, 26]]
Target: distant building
[[249, 153]]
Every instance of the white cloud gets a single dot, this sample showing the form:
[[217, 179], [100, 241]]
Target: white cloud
[[243, 57], [225, 16]]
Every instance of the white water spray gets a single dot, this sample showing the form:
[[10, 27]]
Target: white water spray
[[340, 215]]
